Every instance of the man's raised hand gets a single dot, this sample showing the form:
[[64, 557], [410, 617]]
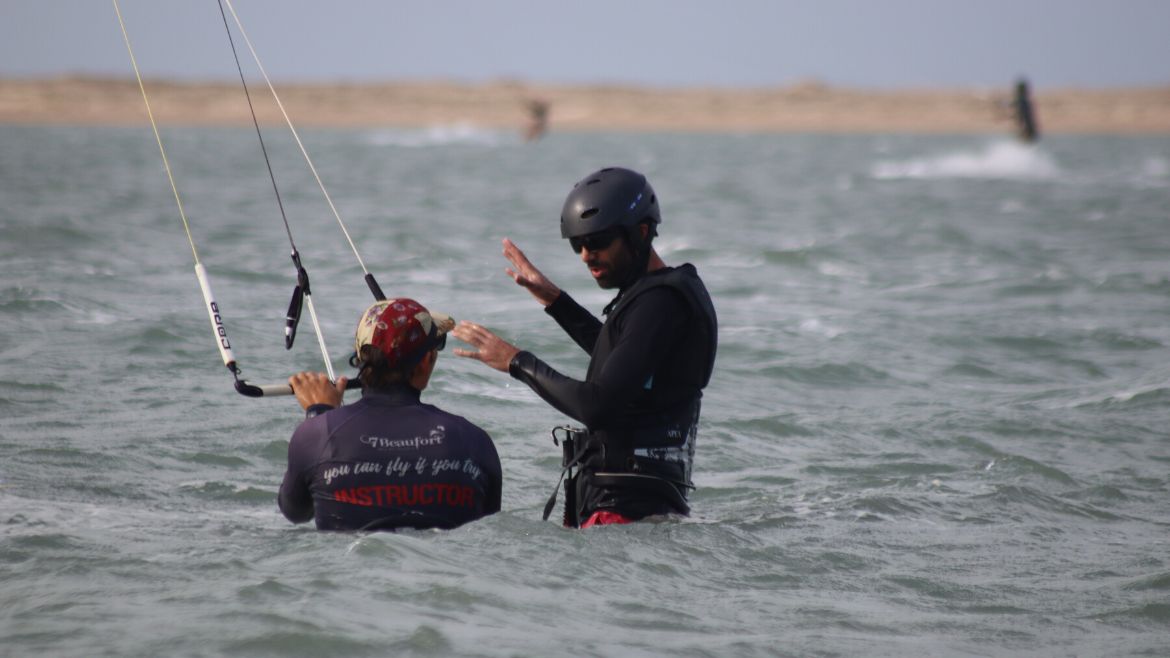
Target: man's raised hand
[[525, 274]]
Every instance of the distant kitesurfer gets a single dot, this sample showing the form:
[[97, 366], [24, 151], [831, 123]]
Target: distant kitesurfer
[[537, 119], [650, 358], [388, 461], [1024, 114]]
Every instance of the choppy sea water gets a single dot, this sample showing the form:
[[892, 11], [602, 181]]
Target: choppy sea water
[[939, 422]]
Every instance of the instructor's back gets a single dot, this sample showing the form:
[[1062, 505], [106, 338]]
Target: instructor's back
[[388, 460]]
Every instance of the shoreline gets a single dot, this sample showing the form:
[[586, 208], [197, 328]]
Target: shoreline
[[804, 107]]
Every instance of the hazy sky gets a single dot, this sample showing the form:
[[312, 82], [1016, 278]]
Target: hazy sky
[[871, 43]]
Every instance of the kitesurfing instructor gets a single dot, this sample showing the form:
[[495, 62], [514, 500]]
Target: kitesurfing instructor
[[650, 358]]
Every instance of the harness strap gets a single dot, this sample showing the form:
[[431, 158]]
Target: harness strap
[[571, 457]]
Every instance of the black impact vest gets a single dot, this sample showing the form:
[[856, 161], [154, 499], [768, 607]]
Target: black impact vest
[[655, 440]]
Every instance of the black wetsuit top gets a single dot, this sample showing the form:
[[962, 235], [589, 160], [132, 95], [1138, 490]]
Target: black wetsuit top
[[651, 359], [389, 461]]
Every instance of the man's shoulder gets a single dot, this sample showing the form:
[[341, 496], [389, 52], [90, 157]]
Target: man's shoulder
[[688, 275], [663, 288], [465, 435], [673, 292], [454, 420], [678, 276], [313, 425], [359, 416]]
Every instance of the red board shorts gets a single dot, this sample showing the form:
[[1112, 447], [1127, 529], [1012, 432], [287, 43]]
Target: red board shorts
[[605, 518]]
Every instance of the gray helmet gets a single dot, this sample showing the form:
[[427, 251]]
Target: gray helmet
[[606, 198]]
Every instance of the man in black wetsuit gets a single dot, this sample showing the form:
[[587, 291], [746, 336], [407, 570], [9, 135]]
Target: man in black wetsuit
[[651, 357], [387, 461]]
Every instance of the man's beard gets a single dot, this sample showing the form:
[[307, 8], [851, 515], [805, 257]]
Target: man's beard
[[619, 271]]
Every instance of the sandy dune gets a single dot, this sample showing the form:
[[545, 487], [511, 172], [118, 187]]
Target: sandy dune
[[808, 107]]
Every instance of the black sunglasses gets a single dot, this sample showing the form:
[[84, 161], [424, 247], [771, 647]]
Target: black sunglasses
[[594, 241]]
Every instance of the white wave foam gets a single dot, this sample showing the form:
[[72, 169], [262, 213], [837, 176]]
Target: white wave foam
[[1156, 167], [441, 135], [1010, 160], [815, 326]]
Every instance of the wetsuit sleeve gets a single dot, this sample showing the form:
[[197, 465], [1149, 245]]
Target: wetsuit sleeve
[[649, 329], [581, 325], [295, 498]]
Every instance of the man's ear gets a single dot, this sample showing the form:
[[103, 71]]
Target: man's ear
[[425, 363]]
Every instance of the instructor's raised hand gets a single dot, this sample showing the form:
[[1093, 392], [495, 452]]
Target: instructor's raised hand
[[490, 348], [525, 274]]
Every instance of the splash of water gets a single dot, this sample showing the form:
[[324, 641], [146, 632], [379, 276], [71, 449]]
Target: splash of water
[[438, 135], [998, 160]]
